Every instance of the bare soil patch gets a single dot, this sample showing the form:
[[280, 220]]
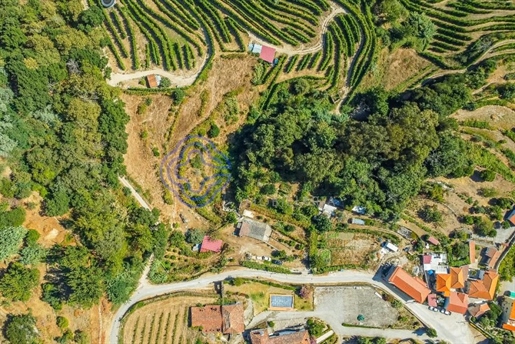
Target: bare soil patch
[[499, 117]]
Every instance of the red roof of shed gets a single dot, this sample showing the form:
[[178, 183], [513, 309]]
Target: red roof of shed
[[209, 245], [267, 54]]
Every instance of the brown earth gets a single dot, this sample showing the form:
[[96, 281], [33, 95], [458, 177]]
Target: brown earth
[[226, 75]]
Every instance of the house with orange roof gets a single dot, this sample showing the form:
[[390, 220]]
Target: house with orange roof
[[443, 284], [458, 277], [477, 310], [457, 302], [412, 286], [226, 319], [483, 288], [508, 314], [511, 217]]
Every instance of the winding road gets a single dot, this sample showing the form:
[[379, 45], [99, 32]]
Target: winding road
[[453, 328]]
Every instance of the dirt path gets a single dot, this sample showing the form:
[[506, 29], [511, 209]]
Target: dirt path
[[134, 193]]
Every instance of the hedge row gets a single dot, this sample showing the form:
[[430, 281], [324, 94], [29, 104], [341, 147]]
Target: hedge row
[[132, 35], [327, 51], [265, 267], [303, 63], [303, 13], [314, 60], [291, 62], [114, 33], [177, 12], [235, 31]]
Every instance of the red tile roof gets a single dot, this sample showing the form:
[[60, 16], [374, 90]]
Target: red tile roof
[[457, 277], [213, 318], [210, 245], [508, 327], [208, 318], [433, 240], [152, 81], [484, 289], [426, 259], [511, 217], [458, 303], [493, 254], [443, 283], [267, 54], [410, 285], [478, 310], [232, 316]]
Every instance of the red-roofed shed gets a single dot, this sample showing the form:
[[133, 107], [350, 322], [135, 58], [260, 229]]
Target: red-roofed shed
[[267, 54], [431, 300], [426, 259], [433, 240], [210, 245]]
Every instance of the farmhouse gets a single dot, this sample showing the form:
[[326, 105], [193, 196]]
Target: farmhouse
[[254, 229], [227, 319], [413, 286], [282, 337], [210, 245], [491, 256]]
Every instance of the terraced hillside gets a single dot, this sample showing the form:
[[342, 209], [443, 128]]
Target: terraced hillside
[[334, 41]]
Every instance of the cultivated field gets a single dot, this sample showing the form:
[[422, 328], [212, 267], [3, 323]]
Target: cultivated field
[[163, 322]]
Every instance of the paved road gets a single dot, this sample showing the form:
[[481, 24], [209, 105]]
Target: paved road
[[452, 328]]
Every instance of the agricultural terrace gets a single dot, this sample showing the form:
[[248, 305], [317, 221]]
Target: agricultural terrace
[[164, 320], [337, 42]]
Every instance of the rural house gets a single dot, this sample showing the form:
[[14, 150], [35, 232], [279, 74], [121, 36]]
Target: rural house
[[254, 229], [265, 53], [210, 245], [491, 256], [478, 309], [227, 319]]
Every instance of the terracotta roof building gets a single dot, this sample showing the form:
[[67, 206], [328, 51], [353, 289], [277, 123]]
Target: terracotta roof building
[[255, 229], [458, 277], [152, 81], [443, 284], [283, 337], [267, 54], [492, 255], [511, 217], [433, 240], [485, 288], [413, 286], [214, 318], [210, 245], [477, 310], [457, 302], [432, 300]]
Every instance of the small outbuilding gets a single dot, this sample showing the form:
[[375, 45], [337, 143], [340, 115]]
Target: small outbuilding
[[210, 245], [356, 221], [153, 80], [255, 229]]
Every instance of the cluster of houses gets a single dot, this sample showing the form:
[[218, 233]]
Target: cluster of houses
[[452, 289]]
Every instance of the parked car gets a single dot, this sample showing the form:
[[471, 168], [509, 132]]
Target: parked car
[[435, 309], [277, 262]]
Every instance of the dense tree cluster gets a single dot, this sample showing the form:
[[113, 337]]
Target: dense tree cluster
[[62, 132], [380, 162]]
